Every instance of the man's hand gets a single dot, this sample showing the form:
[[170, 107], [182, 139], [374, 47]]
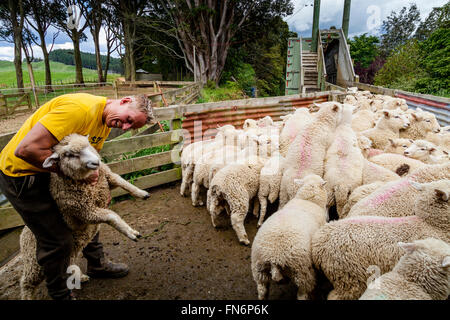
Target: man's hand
[[93, 178]]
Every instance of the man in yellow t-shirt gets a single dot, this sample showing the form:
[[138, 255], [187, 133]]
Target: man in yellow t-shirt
[[25, 183]]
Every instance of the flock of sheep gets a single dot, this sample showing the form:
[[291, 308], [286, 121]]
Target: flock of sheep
[[383, 166]]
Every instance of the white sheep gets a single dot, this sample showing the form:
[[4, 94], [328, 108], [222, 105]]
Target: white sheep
[[348, 250], [396, 198], [422, 122], [344, 162], [307, 152], [232, 189], [363, 120], [294, 124], [359, 193], [422, 273], [269, 183], [373, 172], [393, 162], [426, 152], [83, 206], [387, 127], [398, 146], [282, 245]]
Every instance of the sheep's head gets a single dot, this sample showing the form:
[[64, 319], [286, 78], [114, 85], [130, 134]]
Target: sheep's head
[[430, 254], [426, 121], [312, 188], [398, 145], [75, 157], [420, 150], [432, 203], [331, 110], [395, 119]]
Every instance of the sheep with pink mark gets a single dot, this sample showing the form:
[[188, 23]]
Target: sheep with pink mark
[[344, 162], [306, 154], [294, 124], [396, 198], [358, 194], [422, 273], [282, 246], [347, 249]]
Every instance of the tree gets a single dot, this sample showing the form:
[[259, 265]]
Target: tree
[[210, 26], [93, 13], [41, 15], [12, 17], [71, 28], [399, 28], [439, 17], [364, 49]]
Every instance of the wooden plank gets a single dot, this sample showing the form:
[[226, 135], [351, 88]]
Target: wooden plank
[[9, 244], [136, 143], [9, 218], [141, 163], [152, 180]]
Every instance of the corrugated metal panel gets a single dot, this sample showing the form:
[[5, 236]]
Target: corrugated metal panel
[[293, 66], [197, 123], [440, 109]]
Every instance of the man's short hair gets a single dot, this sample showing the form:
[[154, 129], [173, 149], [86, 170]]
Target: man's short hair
[[144, 104]]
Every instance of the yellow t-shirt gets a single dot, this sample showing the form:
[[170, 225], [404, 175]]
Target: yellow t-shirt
[[70, 113]]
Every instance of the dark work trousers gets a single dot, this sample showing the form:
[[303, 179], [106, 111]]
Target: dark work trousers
[[31, 198]]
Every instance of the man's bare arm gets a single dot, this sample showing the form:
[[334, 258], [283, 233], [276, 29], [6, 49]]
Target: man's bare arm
[[37, 146]]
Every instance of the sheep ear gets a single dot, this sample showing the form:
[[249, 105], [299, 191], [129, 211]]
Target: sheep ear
[[442, 195], [50, 160], [416, 185], [446, 262], [323, 183], [386, 114], [392, 142], [407, 246], [336, 108], [411, 140], [431, 150]]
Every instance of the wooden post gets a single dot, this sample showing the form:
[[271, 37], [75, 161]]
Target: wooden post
[[116, 89], [315, 27]]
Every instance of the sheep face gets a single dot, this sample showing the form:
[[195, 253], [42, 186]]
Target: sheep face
[[420, 150], [426, 121], [398, 146], [395, 119], [76, 158]]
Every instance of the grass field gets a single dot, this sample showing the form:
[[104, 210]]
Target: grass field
[[60, 73]]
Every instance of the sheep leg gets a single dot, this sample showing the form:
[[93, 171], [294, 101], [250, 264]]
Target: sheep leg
[[237, 222], [262, 286], [101, 215], [195, 194], [115, 180], [283, 196], [262, 214], [256, 207]]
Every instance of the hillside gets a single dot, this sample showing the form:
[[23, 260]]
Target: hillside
[[88, 60], [60, 72]]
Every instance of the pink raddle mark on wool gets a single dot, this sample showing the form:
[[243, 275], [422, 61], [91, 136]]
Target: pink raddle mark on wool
[[374, 152], [305, 153], [342, 153], [381, 198], [383, 220]]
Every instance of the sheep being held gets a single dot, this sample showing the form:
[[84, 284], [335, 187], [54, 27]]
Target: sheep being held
[[83, 206]]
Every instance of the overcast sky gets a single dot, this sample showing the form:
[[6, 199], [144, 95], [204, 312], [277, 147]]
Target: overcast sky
[[365, 16]]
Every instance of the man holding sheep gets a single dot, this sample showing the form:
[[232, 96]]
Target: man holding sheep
[[25, 182]]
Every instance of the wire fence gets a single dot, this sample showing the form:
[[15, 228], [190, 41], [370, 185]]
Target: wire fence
[[45, 93]]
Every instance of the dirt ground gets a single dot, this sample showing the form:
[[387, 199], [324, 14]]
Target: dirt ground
[[181, 256]]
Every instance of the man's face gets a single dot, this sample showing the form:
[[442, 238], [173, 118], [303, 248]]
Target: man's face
[[125, 117]]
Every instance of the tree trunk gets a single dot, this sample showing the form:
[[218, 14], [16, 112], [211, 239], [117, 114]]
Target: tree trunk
[[17, 34], [77, 58], [95, 35], [48, 74], [105, 73]]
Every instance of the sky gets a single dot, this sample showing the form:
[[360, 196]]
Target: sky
[[366, 16]]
